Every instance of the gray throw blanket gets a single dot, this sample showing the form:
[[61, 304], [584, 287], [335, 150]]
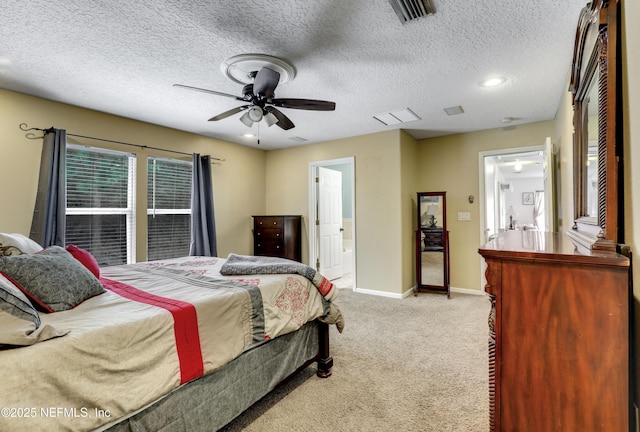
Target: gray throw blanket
[[236, 265]]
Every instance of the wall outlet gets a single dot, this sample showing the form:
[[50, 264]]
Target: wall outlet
[[464, 216]]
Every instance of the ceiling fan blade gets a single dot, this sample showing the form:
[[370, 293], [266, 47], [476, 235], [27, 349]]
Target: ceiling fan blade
[[304, 104], [229, 113], [208, 91], [265, 82], [283, 120]]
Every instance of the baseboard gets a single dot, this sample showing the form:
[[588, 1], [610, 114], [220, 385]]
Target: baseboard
[[380, 293], [411, 292], [467, 291]]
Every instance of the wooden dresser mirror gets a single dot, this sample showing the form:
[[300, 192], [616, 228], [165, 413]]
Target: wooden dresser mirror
[[432, 243], [596, 129]]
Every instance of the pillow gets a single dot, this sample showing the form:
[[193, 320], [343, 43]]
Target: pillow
[[14, 302], [23, 243], [19, 321], [53, 278], [85, 257]]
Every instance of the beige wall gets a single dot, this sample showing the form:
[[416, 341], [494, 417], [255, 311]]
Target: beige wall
[[409, 216], [563, 132], [631, 113], [378, 208], [238, 182], [631, 109], [450, 164]]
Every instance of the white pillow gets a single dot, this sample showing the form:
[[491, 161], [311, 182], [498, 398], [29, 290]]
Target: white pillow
[[23, 243]]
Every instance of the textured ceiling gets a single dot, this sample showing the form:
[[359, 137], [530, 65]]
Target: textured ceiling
[[122, 57]]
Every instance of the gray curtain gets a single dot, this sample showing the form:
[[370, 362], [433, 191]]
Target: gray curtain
[[48, 224], [203, 226]]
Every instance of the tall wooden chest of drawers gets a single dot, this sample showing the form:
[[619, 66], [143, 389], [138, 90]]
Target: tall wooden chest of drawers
[[278, 236], [559, 344]]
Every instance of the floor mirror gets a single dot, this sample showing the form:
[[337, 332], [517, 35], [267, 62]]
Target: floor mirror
[[432, 244]]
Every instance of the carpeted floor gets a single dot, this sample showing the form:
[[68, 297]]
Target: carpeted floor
[[417, 364]]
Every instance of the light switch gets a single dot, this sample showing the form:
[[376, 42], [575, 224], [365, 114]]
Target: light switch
[[464, 216]]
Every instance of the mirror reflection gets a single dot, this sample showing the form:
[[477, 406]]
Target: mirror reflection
[[431, 239], [591, 149]]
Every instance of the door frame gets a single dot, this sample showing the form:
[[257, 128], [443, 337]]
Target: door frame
[[313, 210], [482, 195]]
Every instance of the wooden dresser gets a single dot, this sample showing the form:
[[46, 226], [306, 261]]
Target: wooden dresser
[[559, 335], [278, 236], [433, 239]]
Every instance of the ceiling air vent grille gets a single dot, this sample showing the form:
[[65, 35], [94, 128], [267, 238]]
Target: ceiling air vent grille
[[408, 10]]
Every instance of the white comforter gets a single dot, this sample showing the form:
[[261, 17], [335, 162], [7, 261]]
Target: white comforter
[[120, 354]]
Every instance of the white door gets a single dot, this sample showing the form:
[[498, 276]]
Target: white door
[[330, 222], [549, 186]]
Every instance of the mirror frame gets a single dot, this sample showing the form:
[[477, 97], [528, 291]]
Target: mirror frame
[[420, 286], [595, 59]]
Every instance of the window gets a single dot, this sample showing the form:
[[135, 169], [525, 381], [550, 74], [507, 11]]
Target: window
[[169, 208], [101, 203]]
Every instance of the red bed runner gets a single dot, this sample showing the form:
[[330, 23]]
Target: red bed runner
[[185, 326]]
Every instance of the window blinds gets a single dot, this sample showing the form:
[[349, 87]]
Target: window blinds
[[169, 208], [101, 203]]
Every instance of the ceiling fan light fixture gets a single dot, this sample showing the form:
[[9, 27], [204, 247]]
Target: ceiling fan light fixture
[[270, 119], [255, 114], [246, 119]]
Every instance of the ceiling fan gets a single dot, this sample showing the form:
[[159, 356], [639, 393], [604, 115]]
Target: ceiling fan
[[262, 103]]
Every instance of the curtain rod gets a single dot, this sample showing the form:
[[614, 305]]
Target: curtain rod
[[26, 128]]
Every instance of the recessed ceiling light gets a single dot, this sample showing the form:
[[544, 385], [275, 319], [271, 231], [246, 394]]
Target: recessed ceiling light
[[492, 82], [249, 135], [517, 167]]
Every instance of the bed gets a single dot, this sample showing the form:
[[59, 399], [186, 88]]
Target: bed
[[172, 345]]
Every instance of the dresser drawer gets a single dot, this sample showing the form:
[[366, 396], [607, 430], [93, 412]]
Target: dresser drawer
[[269, 248], [269, 234], [268, 222]]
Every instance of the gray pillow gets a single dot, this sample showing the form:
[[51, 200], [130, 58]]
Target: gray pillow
[[53, 278]]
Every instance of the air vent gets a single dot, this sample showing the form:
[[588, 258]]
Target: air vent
[[396, 117], [408, 10]]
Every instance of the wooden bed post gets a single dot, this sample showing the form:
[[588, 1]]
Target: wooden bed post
[[325, 361]]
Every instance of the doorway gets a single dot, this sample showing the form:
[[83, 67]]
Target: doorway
[[517, 191], [332, 246]]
